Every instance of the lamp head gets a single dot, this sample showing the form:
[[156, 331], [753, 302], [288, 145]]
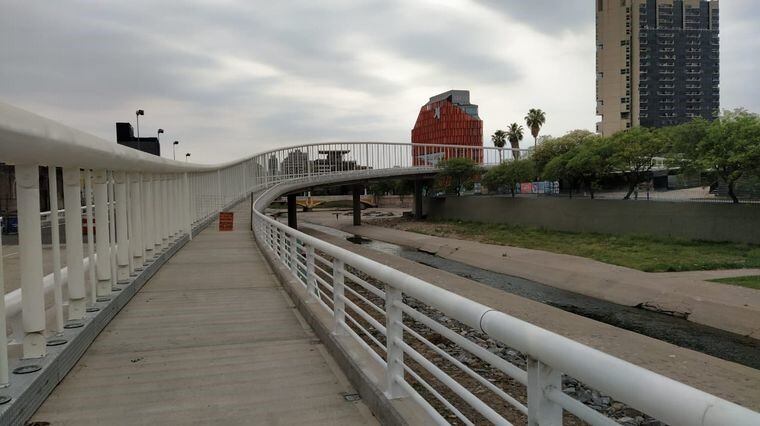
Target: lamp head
[[160, 131], [176, 143], [140, 112]]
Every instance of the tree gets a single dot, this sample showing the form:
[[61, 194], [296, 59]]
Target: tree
[[509, 174], [731, 147], [499, 139], [557, 169], [515, 135], [535, 119], [457, 173], [591, 160], [552, 148], [635, 151]]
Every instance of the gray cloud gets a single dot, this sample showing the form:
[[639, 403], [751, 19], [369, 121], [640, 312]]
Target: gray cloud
[[229, 78]]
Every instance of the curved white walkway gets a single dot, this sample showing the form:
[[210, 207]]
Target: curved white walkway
[[211, 339]]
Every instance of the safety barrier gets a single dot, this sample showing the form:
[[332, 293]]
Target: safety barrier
[[143, 205]]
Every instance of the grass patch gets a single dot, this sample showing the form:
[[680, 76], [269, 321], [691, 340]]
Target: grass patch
[[749, 282], [642, 252]]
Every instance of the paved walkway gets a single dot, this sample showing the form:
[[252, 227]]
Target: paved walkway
[[211, 339]]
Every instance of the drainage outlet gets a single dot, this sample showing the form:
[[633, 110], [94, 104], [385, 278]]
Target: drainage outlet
[[56, 342]]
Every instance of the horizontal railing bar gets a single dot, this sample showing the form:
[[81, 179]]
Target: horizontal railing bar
[[365, 285], [437, 395], [482, 380], [462, 392], [379, 310], [579, 409], [498, 362]]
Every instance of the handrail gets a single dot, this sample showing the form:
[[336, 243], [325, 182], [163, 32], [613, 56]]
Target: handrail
[[144, 205], [661, 397]]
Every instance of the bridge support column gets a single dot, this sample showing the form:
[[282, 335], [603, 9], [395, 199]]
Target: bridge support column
[[418, 199], [357, 204], [292, 211]]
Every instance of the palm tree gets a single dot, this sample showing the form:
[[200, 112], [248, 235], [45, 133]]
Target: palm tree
[[535, 119], [499, 139], [515, 135]]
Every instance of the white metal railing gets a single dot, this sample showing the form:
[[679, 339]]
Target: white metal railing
[[143, 205], [371, 302]]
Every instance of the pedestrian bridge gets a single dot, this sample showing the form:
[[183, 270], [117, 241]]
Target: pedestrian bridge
[[160, 317]]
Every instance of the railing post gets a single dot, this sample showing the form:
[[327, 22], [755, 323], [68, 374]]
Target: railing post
[[187, 206], [148, 218], [294, 255], [55, 243], [4, 379], [90, 235], [136, 231], [541, 410], [339, 304], [311, 278], [157, 232], [123, 243], [72, 200], [30, 260], [102, 245], [394, 370], [112, 226]]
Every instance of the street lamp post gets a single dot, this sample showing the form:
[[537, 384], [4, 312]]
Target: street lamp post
[[174, 149], [138, 113], [158, 139], [187, 156]]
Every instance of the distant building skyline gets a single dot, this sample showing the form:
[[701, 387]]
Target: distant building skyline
[[657, 62]]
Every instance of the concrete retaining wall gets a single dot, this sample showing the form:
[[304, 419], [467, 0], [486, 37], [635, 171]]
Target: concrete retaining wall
[[710, 222]]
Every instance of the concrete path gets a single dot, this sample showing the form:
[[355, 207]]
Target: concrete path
[[731, 308], [211, 339], [725, 379]]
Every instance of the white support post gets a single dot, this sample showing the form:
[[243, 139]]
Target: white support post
[[136, 231], [339, 302], [122, 238], [394, 332], [72, 198], [541, 410], [164, 211], [147, 218], [88, 196], [112, 226], [187, 207], [4, 379], [55, 245], [30, 260], [157, 241], [102, 241], [220, 203], [130, 259], [311, 277], [294, 255]]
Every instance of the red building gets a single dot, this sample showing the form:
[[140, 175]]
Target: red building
[[447, 119]]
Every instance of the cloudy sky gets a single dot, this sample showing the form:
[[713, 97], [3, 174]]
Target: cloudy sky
[[232, 77]]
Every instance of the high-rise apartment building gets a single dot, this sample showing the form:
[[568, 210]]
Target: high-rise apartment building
[[657, 62]]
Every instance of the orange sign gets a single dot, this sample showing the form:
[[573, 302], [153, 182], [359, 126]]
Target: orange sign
[[226, 220]]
